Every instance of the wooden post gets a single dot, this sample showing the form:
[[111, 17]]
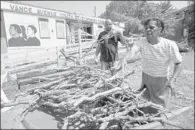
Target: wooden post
[[80, 46]]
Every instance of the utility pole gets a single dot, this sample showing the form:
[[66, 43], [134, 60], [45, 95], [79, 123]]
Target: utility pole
[[94, 11]]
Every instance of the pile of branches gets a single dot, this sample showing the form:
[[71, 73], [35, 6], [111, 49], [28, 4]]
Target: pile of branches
[[85, 98]]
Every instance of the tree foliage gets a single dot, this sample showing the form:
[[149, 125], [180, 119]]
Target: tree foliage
[[189, 23], [132, 13]]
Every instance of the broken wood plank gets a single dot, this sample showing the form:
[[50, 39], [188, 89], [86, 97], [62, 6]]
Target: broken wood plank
[[9, 104], [30, 66], [39, 72], [46, 77]]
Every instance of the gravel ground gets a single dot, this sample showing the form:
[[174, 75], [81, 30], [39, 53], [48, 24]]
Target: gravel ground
[[184, 96]]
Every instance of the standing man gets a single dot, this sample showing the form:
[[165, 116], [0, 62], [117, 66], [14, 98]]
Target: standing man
[[108, 46], [157, 53]]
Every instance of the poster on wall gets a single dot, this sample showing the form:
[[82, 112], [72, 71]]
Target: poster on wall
[[23, 35]]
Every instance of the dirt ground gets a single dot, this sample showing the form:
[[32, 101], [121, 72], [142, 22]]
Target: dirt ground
[[184, 97]]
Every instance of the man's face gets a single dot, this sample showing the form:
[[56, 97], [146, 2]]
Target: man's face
[[152, 30], [108, 25]]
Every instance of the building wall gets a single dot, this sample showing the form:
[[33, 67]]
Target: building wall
[[26, 20]]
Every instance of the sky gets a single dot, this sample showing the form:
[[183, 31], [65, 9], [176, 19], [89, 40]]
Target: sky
[[86, 7]]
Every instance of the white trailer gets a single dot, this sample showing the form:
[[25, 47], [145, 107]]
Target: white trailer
[[29, 29]]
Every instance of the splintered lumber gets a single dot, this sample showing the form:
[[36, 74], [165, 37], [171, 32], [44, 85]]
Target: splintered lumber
[[53, 92], [72, 58], [28, 74], [30, 66], [39, 72], [47, 85], [84, 98], [104, 125], [41, 78], [13, 104], [32, 80], [88, 98], [64, 127], [154, 119], [90, 49], [120, 115], [168, 115]]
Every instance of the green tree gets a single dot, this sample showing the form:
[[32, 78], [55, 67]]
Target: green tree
[[133, 12]]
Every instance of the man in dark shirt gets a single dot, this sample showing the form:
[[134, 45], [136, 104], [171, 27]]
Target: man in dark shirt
[[108, 46]]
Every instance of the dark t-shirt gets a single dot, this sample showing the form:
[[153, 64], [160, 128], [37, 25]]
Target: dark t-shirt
[[16, 42], [108, 51], [33, 41]]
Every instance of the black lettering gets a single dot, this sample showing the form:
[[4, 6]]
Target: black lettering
[[30, 10], [25, 9], [12, 7], [39, 12], [63, 14], [21, 9], [54, 13], [42, 12], [46, 13], [16, 8]]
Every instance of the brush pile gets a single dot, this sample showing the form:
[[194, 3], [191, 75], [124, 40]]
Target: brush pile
[[83, 97]]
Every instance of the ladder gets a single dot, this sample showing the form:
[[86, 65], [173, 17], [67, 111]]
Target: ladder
[[82, 29]]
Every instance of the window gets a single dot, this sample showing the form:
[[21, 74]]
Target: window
[[60, 29], [44, 28]]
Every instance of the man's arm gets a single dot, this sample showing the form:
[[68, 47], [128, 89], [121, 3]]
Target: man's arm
[[177, 60], [97, 50], [172, 79], [98, 46], [176, 71], [123, 40], [132, 55]]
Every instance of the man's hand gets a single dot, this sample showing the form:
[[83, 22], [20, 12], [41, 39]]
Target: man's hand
[[170, 84], [101, 41], [96, 58]]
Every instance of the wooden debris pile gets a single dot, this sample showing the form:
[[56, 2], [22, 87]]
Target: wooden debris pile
[[85, 98]]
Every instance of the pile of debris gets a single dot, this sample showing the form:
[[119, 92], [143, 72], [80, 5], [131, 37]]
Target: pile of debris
[[86, 98]]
